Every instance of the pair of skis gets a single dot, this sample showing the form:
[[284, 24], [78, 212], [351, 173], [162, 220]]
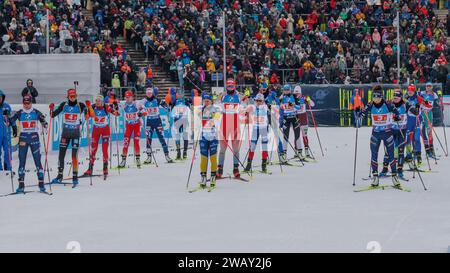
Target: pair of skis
[[382, 188], [26, 192]]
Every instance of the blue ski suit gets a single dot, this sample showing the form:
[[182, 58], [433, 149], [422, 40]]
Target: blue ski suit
[[29, 138]]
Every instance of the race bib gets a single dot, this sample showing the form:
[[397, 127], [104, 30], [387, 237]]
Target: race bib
[[131, 116], [71, 119], [231, 108], [29, 126], [100, 121]]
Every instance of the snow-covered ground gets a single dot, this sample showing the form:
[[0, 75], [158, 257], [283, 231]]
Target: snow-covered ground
[[303, 209]]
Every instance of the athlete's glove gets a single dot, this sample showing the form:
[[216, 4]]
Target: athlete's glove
[[14, 131], [88, 103], [358, 109], [5, 112], [51, 106], [308, 99], [396, 118]]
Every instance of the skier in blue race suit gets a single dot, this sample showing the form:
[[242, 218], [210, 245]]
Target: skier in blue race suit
[[73, 113], [413, 125], [399, 132], [382, 115], [5, 138], [29, 118], [181, 115], [153, 123]]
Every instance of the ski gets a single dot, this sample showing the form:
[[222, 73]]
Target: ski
[[401, 188], [200, 187], [421, 170], [370, 188], [304, 159], [83, 176], [26, 192], [386, 176], [257, 171], [211, 188], [287, 163]]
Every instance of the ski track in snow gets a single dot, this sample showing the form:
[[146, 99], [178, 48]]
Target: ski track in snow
[[304, 209]]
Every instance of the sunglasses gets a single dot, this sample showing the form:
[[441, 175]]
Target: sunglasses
[[26, 103], [72, 97]]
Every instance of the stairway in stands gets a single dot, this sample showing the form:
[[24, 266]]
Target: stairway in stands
[[161, 79], [441, 14]]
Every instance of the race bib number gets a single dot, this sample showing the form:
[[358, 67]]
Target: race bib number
[[231, 108], [100, 121], [152, 111], [131, 116], [29, 126], [380, 120], [260, 120], [71, 119], [302, 109]]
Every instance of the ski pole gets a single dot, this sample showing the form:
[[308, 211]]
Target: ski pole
[[110, 142], [273, 144], [423, 140], [292, 146], [315, 128], [46, 169], [150, 146], [192, 161], [9, 139], [443, 125], [117, 144], [234, 155], [91, 157], [356, 151], [434, 131], [418, 171]]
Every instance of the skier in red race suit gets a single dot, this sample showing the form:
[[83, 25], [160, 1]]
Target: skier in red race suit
[[230, 103], [133, 112], [99, 112]]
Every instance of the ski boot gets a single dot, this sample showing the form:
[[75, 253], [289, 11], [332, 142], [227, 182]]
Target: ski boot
[[248, 167], [89, 170], [432, 152], [138, 161], [178, 153], [74, 180], [58, 179], [185, 153], [21, 188], [203, 183], [283, 159], [219, 174], [168, 159], [400, 172], [419, 159], [41, 186], [408, 158], [123, 162], [308, 153], [105, 170], [148, 160], [213, 180], [384, 171], [264, 166], [375, 180], [395, 181], [300, 154], [236, 171]]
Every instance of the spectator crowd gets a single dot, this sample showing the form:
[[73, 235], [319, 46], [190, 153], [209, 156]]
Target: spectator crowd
[[271, 41]]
